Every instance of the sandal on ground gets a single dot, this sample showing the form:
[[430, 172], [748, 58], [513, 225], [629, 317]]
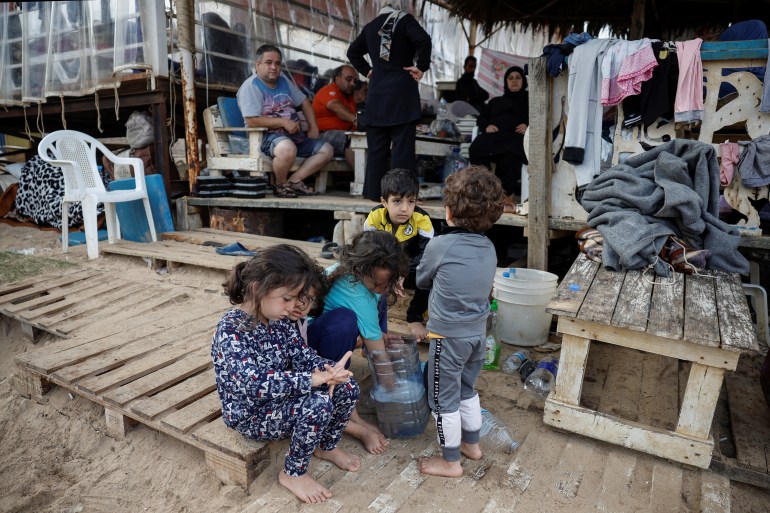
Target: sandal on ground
[[329, 250], [300, 189], [284, 190]]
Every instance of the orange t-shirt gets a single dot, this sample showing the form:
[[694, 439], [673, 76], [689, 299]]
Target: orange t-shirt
[[326, 119]]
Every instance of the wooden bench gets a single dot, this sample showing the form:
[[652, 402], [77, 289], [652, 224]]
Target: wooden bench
[[704, 320], [222, 159]]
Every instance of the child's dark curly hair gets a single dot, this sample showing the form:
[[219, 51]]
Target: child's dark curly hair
[[278, 266], [372, 250], [475, 198]]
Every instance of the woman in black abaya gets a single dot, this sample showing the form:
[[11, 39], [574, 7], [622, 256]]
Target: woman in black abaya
[[501, 138]]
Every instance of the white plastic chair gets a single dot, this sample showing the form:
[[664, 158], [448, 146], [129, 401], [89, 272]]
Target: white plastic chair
[[75, 153]]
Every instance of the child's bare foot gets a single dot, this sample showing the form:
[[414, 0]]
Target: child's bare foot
[[374, 442], [438, 466], [418, 330], [304, 487], [341, 458], [471, 451]]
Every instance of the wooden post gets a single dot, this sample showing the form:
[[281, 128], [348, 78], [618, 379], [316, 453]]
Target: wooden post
[[540, 162]]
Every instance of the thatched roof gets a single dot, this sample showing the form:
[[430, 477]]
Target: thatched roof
[[662, 18]]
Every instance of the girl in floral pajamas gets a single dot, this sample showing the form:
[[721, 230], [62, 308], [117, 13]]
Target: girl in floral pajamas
[[271, 384]]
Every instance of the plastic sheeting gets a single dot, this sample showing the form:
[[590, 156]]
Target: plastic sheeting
[[67, 48], [71, 48]]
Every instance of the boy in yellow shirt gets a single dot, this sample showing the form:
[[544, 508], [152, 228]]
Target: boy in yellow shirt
[[411, 225]]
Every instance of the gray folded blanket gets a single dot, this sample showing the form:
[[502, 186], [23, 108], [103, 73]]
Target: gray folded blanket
[[672, 189]]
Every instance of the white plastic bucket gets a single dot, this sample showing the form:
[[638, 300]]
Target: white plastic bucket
[[522, 319]]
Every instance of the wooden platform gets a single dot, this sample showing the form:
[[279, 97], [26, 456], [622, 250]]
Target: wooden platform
[[187, 248], [62, 303], [703, 320], [155, 370], [743, 427]]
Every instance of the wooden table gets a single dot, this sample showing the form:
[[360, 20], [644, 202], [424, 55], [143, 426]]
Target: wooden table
[[701, 319], [425, 145]]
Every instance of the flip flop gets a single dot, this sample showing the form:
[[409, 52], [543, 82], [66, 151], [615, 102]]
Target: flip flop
[[235, 249], [328, 250]]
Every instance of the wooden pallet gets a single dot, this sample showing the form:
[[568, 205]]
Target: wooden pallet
[[158, 373], [745, 435], [63, 303], [187, 248]]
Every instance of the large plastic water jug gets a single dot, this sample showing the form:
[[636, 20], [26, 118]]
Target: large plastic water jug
[[398, 390]]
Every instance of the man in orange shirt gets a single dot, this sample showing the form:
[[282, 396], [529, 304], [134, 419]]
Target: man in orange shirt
[[335, 111]]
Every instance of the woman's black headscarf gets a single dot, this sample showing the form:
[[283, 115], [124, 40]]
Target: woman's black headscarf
[[517, 101], [520, 71]]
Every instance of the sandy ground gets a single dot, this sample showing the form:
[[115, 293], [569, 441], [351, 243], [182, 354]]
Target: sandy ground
[[56, 458]]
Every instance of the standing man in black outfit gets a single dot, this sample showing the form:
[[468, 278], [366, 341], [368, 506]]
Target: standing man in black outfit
[[399, 49], [468, 89]]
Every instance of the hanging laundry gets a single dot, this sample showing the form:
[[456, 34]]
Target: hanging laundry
[[624, 68], [582, 138], [754, 165], [688, 106], [730, 155], [656, 99]]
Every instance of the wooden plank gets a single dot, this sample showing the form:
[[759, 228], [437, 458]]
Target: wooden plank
[[715, 493], [572, 364], [666, 489], [63, 354], [175, 252], [176, 396], [118, 356], [749, 415], [44, 286], [160, 379], [571, 292], [228, 441], [667, 308], [122, 315], [205, 409], [250, 240], [632, 435], [72, 305], [700, 401], [102, 299], [540, 163], [55, 295], [701, 322], [149, 363], [14, 287], [679, 349], [735, 326], [599, 303], [633, 305], [618, 474]]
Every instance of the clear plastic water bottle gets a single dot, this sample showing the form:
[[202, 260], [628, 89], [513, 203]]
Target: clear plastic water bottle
[[542, 379], [492, 354], [526, 368], [453, 162], [494, 436], [513, 362], [442, 110]]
